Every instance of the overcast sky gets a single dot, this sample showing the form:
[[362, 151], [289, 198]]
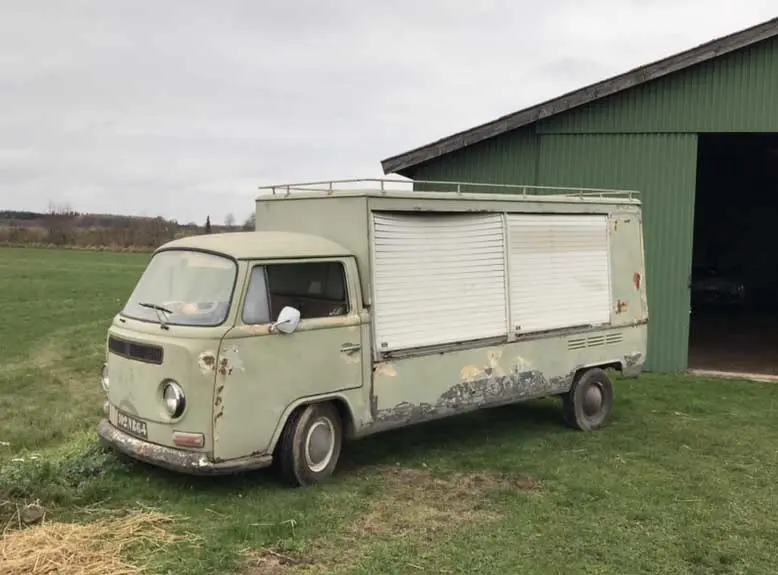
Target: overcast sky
[[182, 108]]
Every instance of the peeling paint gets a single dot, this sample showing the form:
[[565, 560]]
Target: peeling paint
[[385, 369], [633, 359], [351, 358], [633, 364], [259, 329], [470, 372], [483, 387], [492, 369], [621, 306]]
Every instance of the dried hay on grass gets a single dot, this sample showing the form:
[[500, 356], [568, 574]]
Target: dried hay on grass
[[87, 549]]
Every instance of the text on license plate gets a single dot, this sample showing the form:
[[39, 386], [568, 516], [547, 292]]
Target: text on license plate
[[130, 424]]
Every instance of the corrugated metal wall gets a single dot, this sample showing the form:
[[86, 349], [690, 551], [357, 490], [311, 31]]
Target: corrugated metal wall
[[645, 139], [734, 93], [508, 159], [663, 168]]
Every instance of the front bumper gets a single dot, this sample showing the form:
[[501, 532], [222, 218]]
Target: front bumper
[[188, 462]]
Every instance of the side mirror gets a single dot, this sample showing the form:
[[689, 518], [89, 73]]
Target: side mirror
[[287, 320]]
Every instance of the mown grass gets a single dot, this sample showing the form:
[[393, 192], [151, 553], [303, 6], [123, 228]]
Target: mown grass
[[681, 482]]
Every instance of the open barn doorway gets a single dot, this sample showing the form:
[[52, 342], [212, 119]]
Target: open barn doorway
[[734, 280]]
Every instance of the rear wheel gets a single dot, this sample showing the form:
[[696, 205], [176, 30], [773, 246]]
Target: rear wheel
[[588, 404], [310, 445]]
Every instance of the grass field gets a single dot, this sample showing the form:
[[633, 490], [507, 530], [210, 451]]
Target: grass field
[[683, 481]]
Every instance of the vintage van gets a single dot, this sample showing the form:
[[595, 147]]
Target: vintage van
[[354, 311]]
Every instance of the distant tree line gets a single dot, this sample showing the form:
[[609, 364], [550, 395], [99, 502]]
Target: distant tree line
[[61, 226]]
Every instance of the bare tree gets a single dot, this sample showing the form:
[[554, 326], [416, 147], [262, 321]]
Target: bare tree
[[249, 224], [229, 220], [58, 222]]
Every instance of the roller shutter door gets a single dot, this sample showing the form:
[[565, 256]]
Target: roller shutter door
[[559, 271], [438, 278]]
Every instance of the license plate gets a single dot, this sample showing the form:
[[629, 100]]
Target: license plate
[[131, 425]]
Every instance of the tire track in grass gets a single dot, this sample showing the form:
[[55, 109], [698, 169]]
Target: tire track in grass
[[412, 505]]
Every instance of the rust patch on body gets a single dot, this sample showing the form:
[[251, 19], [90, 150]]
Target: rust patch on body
[[163, 455], [224, 367], [621, 306], [206, 362], [636, 280], [228, 364]]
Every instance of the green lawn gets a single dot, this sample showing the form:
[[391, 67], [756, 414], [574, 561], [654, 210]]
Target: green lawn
[[683, 481]]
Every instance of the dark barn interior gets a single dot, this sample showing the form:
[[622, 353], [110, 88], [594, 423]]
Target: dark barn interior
[[734, 279]]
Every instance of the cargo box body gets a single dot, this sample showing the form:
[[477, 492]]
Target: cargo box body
[[482, 299]]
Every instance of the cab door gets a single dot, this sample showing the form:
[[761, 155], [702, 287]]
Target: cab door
[[260, 374]]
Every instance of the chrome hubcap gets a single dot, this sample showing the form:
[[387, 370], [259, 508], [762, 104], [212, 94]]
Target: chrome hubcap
[[592, 400], [319, 445]]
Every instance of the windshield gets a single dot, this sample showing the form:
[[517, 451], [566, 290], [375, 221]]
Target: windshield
[[182, 287]]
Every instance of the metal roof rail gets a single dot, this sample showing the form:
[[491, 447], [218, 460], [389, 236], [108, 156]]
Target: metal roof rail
[[385, 185]]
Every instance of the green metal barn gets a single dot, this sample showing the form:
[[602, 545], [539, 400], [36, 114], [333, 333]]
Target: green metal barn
[[695, 134]]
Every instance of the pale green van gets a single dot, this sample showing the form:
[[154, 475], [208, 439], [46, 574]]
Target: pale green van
[[355, 312]]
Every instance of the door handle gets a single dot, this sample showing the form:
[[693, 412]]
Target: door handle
[[350, 347]]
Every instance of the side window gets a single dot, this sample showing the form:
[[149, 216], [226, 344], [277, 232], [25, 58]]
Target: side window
[[256, 309], [316, 289]]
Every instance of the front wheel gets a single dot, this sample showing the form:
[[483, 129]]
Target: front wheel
[[310, 444], [588, 404]]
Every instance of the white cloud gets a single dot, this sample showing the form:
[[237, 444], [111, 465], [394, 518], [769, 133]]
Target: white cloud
[[184, 108]]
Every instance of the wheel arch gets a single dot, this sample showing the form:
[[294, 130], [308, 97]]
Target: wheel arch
[[340, 402], [616, 365]]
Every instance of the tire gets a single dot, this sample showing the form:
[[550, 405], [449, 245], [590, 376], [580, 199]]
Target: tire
[[588, 404], [301, 461]]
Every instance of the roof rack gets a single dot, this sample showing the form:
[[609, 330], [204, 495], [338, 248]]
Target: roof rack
[[330, 187]]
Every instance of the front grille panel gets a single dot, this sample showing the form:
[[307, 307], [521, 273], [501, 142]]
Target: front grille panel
[[137, 351]]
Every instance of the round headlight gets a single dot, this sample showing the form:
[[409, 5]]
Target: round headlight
[[104, 381], [173, 396]]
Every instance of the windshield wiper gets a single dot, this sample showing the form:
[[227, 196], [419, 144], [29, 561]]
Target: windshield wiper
[[158, 309], [155, 307]]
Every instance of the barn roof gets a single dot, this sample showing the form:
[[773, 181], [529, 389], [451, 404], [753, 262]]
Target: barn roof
[[625, 81]]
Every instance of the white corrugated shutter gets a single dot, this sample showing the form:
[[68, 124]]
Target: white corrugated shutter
[[559, 271], [439, 278]]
